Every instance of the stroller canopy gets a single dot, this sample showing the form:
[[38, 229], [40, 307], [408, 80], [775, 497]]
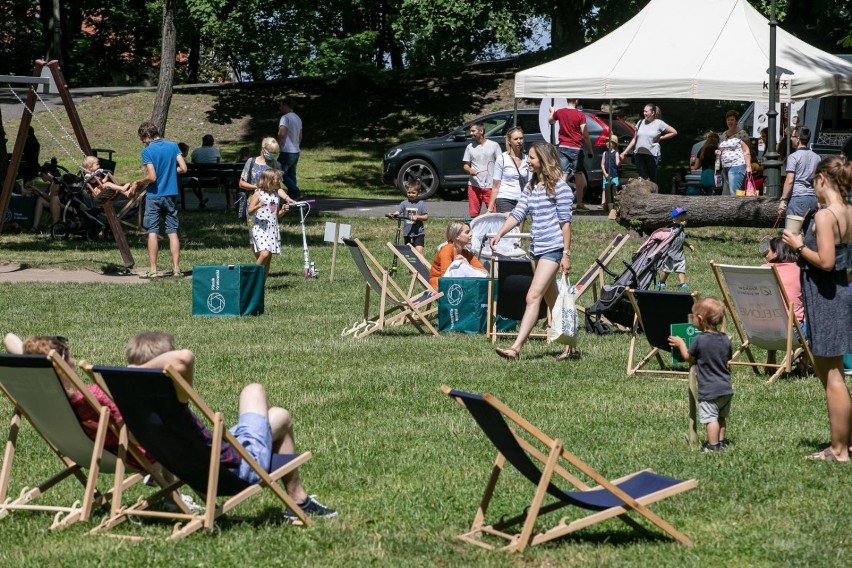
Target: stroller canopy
[[489, 224]]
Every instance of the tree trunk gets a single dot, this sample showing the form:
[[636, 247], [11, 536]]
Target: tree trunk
[[640, 207], [566, 31], [167, 68]]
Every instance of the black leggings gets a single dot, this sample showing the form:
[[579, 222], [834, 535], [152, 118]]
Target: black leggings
[[646, 166]]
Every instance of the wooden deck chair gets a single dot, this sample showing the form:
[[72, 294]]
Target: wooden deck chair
[[416, 265], [762, 314], [396, 305], [33, 386], [538, 457], [512, 279], [593, 278], [655, 313], [150, 402]]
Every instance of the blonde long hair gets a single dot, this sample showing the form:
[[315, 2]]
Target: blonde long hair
[[551, 168], [509, 149]]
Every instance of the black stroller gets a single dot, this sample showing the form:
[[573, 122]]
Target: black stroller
[[80, 214], [613, 305]]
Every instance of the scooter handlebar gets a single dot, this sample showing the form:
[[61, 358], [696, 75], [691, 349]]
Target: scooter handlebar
[[305, 203]]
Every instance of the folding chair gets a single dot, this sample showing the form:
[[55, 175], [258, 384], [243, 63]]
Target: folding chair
[[417, 266], [593, 278], [396, 305], [762, 314], [537, 457], [150, 402], [512, 279], [655, 314], [33, 386]]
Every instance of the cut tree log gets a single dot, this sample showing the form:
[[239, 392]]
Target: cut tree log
[[639, 207]]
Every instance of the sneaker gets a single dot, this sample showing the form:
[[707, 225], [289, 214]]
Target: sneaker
[[722, 443], [203, 203], [711, 448], [661, 285], [168, 506], [683, 286], [311, 507]]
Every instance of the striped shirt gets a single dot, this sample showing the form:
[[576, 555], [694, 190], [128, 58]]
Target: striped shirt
[[549, 214]]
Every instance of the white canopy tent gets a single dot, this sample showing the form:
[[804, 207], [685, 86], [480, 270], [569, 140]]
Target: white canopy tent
[[690, 49]]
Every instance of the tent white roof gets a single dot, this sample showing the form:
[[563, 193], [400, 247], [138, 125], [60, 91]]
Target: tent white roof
[[692, 49]]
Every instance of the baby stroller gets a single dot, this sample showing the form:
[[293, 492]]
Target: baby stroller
[[80, 214], [639, 275], [489, 224]]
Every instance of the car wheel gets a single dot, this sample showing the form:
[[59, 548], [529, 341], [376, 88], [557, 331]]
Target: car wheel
[[59, 231], [422, 170]]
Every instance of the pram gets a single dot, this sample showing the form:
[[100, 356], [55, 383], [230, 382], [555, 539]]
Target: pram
[[80, 214], [483, 226], [613, 305]]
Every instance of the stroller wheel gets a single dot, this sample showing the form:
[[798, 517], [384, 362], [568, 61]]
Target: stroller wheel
[[93, 234], [59, 231]]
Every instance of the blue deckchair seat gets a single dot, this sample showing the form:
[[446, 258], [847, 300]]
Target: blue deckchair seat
[[630, 494]]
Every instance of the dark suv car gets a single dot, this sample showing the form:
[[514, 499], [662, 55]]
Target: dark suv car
[[438, 161]]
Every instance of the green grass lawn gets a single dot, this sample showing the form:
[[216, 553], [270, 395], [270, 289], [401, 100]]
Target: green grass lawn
[[404, 465]]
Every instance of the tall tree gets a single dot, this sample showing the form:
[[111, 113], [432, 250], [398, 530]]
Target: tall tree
[[163, 99]]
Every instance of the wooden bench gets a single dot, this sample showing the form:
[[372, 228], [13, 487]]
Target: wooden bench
[[211, 176]]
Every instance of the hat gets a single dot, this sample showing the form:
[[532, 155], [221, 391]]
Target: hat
[[614, 138], [677, 212]]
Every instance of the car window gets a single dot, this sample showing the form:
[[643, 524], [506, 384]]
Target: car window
[[621, 129], [529, 123], [495, 125]]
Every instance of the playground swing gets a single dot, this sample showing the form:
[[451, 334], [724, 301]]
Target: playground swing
[[79, 140]]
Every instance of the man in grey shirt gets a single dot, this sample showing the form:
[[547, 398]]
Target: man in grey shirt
[[479, 158], [798, 195]]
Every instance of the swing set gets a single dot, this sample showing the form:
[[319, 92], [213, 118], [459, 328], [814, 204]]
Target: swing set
[[79, 140]]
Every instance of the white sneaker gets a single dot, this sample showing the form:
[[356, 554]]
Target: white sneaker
[[168, 506]]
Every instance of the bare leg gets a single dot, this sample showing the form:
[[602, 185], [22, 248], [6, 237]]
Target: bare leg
[[55, 206], [713, 433], [253, 399], [722, 426], [542, 286], [174, 249], [153, 249], [264, 258], [579, 189], [830, 373], [663, 276], [681, 277]]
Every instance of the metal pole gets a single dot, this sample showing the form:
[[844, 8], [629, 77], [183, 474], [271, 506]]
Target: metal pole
[[772, 165]]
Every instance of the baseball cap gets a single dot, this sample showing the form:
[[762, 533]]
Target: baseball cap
[[677, 212]]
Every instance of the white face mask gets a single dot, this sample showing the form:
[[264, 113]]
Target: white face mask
[[269, 156]]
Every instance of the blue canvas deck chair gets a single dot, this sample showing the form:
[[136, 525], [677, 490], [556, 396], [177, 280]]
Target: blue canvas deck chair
[[150, 403], [416, 266], [507, 294], [656, 311], [32, 385], [763, 316], [538, 457], [396, 304]]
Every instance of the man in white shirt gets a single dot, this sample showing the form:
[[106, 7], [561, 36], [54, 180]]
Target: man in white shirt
[[479, 158], [290, 140]]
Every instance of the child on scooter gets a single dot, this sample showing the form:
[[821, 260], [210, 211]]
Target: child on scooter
[[413, 210], [264, 211]]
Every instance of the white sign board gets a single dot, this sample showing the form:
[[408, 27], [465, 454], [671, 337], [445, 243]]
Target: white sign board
[[343, 232]]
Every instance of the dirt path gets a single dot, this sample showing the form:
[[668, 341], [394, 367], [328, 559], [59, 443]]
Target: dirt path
[[15, 273]]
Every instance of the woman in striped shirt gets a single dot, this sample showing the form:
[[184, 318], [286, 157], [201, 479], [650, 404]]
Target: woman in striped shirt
[[550, 203]]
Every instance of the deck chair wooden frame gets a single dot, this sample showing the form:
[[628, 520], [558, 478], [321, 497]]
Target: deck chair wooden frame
[[141, 393], [416, 265], [32, 385], [493, 299], [543, 460], [397, 305], [593, 278], [673, 315], [773, 297]]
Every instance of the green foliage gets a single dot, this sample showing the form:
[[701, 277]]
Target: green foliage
[[20, 37]]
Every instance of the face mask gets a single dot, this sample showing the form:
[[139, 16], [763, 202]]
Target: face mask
[[269, 156]]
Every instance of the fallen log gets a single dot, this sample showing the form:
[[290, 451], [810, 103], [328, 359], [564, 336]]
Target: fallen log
[[639, 207]]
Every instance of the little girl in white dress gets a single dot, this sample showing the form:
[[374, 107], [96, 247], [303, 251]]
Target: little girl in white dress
[[264, 210]]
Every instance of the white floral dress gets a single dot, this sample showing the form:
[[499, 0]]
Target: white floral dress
[[264, 229]]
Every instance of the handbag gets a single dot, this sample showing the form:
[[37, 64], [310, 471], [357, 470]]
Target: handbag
[[750, 188], [717, 179], [564, 323]]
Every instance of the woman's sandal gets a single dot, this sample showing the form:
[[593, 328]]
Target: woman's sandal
[[570, 354], [508, 353], [824, 455]]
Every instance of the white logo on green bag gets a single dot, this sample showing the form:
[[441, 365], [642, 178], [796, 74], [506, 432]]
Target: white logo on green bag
[[455, 295], [215, 302]]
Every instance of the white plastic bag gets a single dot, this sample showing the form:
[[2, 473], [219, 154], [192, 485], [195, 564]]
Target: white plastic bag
[[461, 268], [564, 323]]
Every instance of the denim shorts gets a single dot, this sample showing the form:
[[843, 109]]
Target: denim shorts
[[157, 207], [553, 255], [800, 204], [573, 159], [255, 434], [712, 410]]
